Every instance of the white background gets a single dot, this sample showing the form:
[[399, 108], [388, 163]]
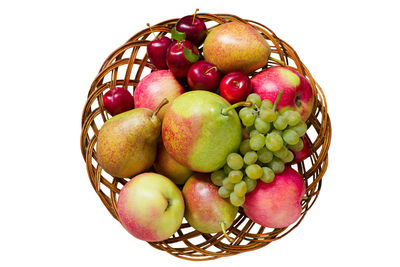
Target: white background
[[50, 51]]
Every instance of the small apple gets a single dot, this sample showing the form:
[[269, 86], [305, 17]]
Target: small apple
[[304, 152], [297, 91], [117, 100], [157, 52], [194, 28], [235, 86], [156, 86], [203, 75], [276, 204], [177, 61], [151, 207]]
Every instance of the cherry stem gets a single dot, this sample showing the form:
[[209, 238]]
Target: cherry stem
[[222, 224], [280, 62], [163, 103], [148, 25], [210, 69], [238, 104], [194, 15], [278, 98], [236, 83]]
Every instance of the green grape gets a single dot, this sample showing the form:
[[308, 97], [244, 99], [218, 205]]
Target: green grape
[[250, 157], [217, 177], [268, 175], [293, 117], [273, 142], [247, 115], [268, 115], [234, 161], [264, 155], [288, 157], [300, 128], [254, 171], [277, 165], [281, 153], [255, 99], [262, 126], [236, 200], [253, 132], [235, 176], [251, 184], [290, 137], [223, 192], [267, 104], [257, 142], [276, 131], [249, 129], [227, 184], [227, 169], [240, 189], [245, 111], [280, 123], [244, 147], [297, 147]]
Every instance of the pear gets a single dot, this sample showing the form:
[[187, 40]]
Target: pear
[[127, 143]]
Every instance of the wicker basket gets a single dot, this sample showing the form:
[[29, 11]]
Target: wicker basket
[[125, 67]]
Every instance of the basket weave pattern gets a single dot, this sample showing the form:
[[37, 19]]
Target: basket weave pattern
[[125, 67]]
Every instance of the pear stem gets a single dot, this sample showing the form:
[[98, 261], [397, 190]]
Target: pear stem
[[278, 98], [194, 15], [222, 224], [148, 25], [280, 62], [238, 104], [210, 69], [163, 103]]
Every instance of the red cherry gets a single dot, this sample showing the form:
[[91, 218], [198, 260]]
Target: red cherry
[[203, 75], [194, 28], [157, 52], [235, 86], [117, 100], [304, 153], [176, 59]]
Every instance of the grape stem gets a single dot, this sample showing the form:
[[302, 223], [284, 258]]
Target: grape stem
[[278, 98], [162, 103], [238, 104], [222, 224], [280, 62]]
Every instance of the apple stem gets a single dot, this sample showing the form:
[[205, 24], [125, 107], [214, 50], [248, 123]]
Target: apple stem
[[278, 98], [222, 224], [280, 62], [210, 69], [163, 103], [194, 15], [238, 104], [148, 25]]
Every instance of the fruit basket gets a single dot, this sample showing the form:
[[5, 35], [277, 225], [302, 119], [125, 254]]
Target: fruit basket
[[126, 66]]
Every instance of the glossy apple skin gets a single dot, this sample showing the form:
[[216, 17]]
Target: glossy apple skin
[[157, 52], [276, 204], [297, 91], [156, 86], [117, 100], [176, 60], [196, 31], [235, 86], [202, 76], [236, 46], [304, 153], [205, 209], [167, 166], [151, 207]]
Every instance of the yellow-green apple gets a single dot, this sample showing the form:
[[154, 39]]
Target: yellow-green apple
[[205, 210], [236, 46], [151, 207], [276, 204], [166, 165], [297, 92], [200, 129], [156, 86]]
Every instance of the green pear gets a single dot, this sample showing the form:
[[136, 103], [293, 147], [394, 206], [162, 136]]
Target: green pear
[[127, 143]]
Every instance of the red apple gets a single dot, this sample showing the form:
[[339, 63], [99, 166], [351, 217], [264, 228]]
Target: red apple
[[156, 86], [235, 87], [304, 152], [297, 92], [176, 59], [157, 52], [203, 75], [276, 204], [117, 100]]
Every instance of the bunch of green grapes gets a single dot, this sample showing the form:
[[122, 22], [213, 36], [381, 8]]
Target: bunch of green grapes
[[272, 137]]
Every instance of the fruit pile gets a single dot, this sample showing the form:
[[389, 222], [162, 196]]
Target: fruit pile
[[213, 128]]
